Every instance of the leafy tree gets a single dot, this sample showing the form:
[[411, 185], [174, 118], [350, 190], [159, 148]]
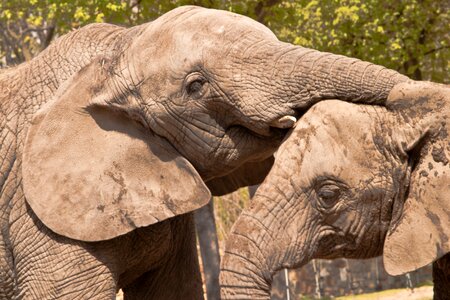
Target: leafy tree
[[28, 27], [410, 36]]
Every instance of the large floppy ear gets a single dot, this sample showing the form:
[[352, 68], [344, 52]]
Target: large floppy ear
[[421, 232], [91, 173], [250, 173]]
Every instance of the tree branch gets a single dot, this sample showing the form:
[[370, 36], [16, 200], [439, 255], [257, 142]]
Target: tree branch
[[260, 9], [436, 49], [134, 3], [50, 28]]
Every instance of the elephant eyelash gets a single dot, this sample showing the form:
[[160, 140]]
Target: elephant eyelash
[[329, 192], [195, 85], [320, 181]]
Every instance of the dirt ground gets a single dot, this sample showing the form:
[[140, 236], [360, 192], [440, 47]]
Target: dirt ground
[[422, 293]]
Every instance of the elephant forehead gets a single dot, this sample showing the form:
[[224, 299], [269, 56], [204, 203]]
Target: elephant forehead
[[190, 38], [330, 152], [333, 138], [195, 32], [212, 22]]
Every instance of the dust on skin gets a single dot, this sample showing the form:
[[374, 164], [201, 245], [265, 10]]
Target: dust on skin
[[437, 221], [118, 178], [439, 156], [438, 151], [423, 173]]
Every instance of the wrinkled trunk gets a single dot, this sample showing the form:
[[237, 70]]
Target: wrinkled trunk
[[293, 77], [312, 75], [262, 242], [244, 271]]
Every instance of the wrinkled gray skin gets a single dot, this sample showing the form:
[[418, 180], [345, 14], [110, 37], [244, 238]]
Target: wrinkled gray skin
[[200, 89], [353, 181]]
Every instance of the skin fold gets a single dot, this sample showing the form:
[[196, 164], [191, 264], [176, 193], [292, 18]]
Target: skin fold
[[351, 181], [111, 137]]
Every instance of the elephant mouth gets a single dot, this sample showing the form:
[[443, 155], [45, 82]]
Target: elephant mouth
[[277, 126], [269, 133], [253, 145]]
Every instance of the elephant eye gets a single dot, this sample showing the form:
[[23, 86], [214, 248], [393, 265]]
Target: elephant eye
[[329, 195], [196, 88]]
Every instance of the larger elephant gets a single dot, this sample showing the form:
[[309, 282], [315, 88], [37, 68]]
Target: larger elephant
[[353, 181], [109, 135]]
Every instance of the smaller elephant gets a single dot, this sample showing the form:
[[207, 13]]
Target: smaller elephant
[[353, 181]]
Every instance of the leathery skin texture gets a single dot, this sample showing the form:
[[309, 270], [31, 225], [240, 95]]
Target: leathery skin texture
[[104, 137], [354, 181]]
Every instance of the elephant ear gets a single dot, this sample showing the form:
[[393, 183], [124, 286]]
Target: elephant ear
[[91, 173], [421, 234]]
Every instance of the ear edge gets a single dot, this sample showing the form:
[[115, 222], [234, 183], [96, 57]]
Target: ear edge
[[420, 234]]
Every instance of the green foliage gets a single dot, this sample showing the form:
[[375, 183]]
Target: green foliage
[[27, 27], [410, 36]]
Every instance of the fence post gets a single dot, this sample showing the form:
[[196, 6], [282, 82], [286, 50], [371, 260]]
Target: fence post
[[317, 278], [288, 296]]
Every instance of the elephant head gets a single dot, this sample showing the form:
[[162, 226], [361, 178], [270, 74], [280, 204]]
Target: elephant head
[[351, 181], [185, 99]]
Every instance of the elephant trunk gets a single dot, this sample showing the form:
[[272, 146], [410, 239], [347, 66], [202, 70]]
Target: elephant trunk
[[243, 273], [304, 76], [262, 241]]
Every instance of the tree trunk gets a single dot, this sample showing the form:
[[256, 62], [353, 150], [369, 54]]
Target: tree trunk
[[209, 249], [441, 278]]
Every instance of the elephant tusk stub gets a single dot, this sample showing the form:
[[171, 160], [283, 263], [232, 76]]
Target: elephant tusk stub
[[284, 122]]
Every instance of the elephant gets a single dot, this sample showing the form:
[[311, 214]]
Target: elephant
[[112, 137], [355, 181]]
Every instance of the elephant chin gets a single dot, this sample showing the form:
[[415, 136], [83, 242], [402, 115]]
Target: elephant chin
[[238, 146]]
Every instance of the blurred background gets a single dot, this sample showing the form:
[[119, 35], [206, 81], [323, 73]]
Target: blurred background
[[410, 36]]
